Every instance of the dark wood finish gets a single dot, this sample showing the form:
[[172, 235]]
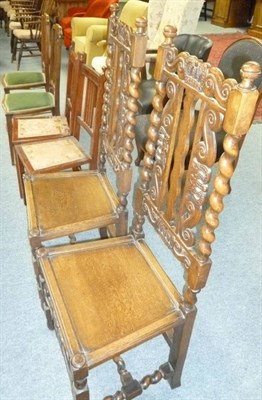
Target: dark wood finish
[[105, 297], [229, 13], [256, 24]]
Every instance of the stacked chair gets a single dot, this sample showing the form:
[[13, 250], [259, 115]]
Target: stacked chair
[[105, 297], [26, 31]]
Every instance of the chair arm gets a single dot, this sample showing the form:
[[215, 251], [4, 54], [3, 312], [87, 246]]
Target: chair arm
[[97, 34], [81, 24]]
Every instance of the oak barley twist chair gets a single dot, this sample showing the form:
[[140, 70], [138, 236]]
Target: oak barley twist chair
[[62, 204], [34, 102], [107, 296]]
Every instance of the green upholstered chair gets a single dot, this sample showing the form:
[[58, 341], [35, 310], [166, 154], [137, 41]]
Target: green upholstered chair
[[32, 102], [17, 80]]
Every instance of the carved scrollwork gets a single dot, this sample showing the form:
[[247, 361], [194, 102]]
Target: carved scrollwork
[[167, 234], [196, 190], [202, 76]]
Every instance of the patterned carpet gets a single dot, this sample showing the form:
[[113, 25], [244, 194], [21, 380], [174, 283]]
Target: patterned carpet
[[221, 42]]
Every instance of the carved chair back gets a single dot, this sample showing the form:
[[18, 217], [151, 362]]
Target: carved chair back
[[182, 193], [125, 58]]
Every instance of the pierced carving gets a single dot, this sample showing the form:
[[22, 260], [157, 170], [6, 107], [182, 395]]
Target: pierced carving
[[118, 133]]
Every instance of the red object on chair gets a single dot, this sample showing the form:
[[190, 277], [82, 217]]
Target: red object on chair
[[95, 8]]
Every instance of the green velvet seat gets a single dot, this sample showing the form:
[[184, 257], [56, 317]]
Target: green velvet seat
[[21, 79], [21, 102]]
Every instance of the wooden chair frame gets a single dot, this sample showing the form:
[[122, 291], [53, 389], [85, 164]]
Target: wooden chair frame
[[116, 143], [107, 296]]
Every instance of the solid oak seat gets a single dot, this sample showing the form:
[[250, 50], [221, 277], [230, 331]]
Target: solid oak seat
[[134, 300], [47, 216]]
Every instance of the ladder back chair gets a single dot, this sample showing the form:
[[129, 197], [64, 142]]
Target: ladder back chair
[[65, 203], [107, 296], [46, 7], [20, 80], [34, 102], [58, 154], [27, 40]]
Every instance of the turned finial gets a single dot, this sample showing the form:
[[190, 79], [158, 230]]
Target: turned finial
[[114, 9], [249, 72], [141, 24], [169, 33]]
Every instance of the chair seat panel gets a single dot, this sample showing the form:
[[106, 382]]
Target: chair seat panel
[[14, 25], [25, 33], [115, 284], [70, 199], [20, 78], [43, 155], [37, 128], [24, 101]]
